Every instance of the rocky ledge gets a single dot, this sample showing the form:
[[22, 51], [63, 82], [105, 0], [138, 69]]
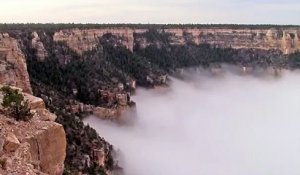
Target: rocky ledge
[[33, 147]]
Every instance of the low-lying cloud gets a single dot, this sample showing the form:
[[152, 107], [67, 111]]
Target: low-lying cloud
[[228, 125]]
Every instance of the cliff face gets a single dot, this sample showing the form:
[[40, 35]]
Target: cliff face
[[35, 147], [85, 40], [285, 40], [36, 43], [13, 68], [39, 145]]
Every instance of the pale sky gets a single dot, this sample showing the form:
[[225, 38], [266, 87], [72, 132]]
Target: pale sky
[[151, 11]]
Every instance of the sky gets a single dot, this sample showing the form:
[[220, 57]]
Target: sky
[[151, 11], [212, 125]]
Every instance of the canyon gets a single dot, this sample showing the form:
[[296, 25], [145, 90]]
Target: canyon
[[70, 73]]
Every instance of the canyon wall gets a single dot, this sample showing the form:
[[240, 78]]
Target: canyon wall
[[37, 146], [13, 68], [38, 45], [286, 40], [87, 39], [33, 147]]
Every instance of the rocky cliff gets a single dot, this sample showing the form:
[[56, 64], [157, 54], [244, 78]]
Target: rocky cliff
[[38, 46], [34, 147], [286, 40], [13, 68], [39, 145], [87, 39]]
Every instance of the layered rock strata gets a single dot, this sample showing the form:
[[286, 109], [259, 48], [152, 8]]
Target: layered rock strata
[[287, 40]]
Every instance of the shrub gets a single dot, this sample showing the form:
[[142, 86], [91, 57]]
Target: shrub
[[15, 105]]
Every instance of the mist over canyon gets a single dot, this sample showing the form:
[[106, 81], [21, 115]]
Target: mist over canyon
[[212, 125]]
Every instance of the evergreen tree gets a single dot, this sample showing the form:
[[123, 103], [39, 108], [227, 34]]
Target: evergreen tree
[[14, 103]]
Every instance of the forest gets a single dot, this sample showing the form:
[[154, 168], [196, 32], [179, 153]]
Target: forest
[[59, 26]]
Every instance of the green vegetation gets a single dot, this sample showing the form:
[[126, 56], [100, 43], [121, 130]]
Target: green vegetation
[[294, 60], [14, 103], [59, 26], [170, 57], [102, 68]]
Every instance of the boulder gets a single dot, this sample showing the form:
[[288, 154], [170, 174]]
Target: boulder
[[48, 148], [34, 102], [44, 115], [11, 143]]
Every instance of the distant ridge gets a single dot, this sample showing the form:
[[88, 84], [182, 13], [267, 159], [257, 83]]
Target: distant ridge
[[57, 26]]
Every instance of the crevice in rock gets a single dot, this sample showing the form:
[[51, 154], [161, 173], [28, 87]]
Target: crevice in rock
[[38, 152]]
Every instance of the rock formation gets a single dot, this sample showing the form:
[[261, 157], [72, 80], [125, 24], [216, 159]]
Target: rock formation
[[39, 145], [287, 40], [36, 43], [115, 114], [13, 68], [87, 39], [34, 147]]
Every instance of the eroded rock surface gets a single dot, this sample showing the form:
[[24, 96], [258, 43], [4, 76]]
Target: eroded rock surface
[[13, 68], [34, 147], [11, 143], [37, 44], [287, 40], [87, 39]]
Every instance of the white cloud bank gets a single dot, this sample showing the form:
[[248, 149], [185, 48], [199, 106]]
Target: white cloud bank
[[229, 125]]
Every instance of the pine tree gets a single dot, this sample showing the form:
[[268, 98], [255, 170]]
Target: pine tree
[[15, 105]]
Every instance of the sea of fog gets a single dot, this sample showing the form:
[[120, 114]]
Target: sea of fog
[[212, 125]]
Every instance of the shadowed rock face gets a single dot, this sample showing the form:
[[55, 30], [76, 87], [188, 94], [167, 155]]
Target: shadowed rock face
[[286, 40], [13, 68]]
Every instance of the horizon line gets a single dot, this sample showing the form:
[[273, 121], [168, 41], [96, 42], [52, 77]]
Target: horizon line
[[87, 23]]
